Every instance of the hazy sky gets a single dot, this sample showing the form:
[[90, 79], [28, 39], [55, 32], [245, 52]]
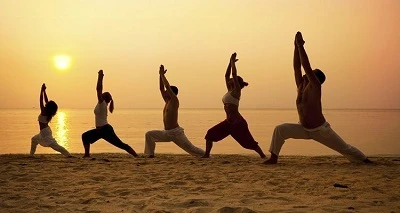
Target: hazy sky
[[356, 43]]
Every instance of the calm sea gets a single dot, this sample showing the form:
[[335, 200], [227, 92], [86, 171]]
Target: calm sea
[[375, 132]]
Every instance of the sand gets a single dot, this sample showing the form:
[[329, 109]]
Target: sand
[[182, 183]]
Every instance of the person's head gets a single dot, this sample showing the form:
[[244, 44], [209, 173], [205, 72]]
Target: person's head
[[174, 89], [108, 99], [242, 83], [51, 109], [319, 74]]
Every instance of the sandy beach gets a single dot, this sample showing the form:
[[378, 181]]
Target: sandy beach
[[181, 183]]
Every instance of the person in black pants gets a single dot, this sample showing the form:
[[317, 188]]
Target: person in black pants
[[103, 129]]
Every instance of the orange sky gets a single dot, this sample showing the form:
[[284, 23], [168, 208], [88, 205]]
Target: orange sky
[[356, 43]]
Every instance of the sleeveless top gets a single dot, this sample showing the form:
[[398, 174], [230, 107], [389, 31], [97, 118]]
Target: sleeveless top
[[100, 112], [229, 99], [42, 119]]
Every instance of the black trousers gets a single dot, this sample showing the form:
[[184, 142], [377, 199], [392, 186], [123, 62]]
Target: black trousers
[[107, 133]]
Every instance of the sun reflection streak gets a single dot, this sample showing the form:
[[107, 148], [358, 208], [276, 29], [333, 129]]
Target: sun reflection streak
[[62, 130]]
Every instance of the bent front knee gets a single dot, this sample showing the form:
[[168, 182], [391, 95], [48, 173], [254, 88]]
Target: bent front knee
[[147, 134], [281, 127], [85, 138], [34, 140], [282, 131]]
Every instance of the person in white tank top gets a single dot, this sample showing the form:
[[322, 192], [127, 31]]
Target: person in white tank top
[[45, 137], [103, 129]]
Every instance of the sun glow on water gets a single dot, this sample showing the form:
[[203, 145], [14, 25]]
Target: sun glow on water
[[62, 130]]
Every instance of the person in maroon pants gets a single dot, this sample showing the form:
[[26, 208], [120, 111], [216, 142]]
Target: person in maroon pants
[[234, 124]]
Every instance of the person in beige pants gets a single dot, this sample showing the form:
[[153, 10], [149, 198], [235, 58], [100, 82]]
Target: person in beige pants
[[172, 131], [312, 123]]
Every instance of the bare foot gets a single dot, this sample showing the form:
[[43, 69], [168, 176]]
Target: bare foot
[[86, 156], [367, 161], [271, 161], [206, 156], [151, 156], [132, 152]]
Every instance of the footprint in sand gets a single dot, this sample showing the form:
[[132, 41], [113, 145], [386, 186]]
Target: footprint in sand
[[89, 201], [235, 210], [192, 203], [177, 183]]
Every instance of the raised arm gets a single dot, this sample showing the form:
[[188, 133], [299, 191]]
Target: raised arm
[[45, 97], [165, 82], [99, 87], [42, 92], [297, 65], [228, 74], [304, 60], [162, 88], [234, 72]]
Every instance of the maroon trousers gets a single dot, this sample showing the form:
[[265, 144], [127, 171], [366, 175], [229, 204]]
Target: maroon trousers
[[238, 129]]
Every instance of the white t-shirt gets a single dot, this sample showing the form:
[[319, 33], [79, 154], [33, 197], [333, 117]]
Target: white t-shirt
[[100, 112]]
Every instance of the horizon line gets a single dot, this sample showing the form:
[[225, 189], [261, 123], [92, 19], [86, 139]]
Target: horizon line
[[212, 108]]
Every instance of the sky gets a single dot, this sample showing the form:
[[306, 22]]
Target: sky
[[356, 43]]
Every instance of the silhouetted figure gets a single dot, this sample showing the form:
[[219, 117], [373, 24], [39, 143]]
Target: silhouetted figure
[[45, 137], [312, 123], [234, 124], [103, 129], [172, 131]]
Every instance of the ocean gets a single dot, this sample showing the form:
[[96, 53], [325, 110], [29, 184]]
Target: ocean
[[374, 132]]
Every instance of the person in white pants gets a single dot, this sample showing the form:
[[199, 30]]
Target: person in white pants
[[312, 123], [172, 131], [45, 138], [176, 135], [323, 134]]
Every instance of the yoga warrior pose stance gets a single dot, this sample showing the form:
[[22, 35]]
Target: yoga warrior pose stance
[[103, 129], [234, 124], [45, 137], [172, 131], [312, 123]]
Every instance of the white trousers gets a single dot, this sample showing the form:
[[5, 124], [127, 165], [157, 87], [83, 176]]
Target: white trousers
[[176, 135], [45, 138], [324, 134]]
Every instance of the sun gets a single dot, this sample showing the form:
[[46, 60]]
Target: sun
[[62, 62]]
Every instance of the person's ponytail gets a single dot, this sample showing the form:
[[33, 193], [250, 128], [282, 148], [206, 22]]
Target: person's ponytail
[[111, 107]]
